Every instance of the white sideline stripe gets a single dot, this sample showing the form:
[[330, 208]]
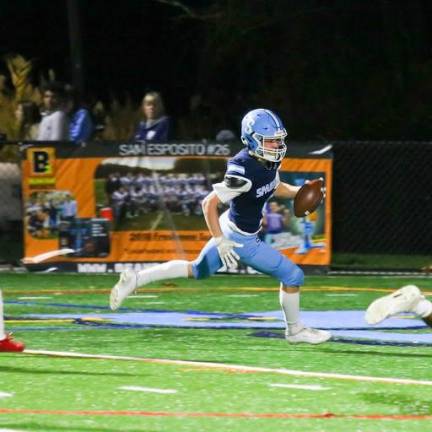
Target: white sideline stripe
[[34, 298], [5, 395], [227, 366], [148, 389], [11, 430], [313, 387]]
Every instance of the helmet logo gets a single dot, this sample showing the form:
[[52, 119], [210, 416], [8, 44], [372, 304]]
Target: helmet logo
[[249, 123]]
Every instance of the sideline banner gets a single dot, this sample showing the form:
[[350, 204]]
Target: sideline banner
[[122, 205]]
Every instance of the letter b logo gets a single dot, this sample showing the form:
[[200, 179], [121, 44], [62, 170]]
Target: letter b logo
[[42, 160]]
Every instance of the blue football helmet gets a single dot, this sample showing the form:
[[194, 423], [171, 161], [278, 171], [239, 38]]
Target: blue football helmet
[[264, 134]]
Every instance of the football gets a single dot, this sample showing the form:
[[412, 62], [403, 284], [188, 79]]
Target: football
[[309, 197]]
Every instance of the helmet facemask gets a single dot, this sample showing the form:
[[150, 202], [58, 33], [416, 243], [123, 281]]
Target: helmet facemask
[[270, 148]]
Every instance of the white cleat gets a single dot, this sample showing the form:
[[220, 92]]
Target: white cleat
[[309, 335], [126, 285], [404, 299]]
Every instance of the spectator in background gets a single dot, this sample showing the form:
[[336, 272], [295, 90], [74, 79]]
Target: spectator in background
[[69, 209], [275, 220], [225, 136], [81, 126], [28, 119], [55, 124], [155, 125], [197, 124], [53, 213]]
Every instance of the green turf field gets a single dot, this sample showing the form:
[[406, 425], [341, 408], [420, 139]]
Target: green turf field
[[168, 378]]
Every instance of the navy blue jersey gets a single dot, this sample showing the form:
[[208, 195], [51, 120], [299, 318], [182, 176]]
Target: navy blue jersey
[[255, 182], [153, 131]]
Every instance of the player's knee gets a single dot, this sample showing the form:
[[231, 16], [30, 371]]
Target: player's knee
[[298, 276], [201, 269], [294, 278], [207, 263]]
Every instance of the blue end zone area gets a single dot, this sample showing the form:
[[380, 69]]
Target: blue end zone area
[[346, 326], [333, 320]]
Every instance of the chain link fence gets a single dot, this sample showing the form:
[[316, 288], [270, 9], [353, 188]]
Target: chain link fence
[[382, 200]]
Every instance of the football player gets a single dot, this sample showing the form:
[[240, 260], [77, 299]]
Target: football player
[[251, 178], [7, 343], [406, 299]]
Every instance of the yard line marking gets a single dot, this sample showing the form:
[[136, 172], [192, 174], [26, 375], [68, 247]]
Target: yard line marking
[[192, 289], [148, 389], [322, 288], [233, 367], [342, 288], [324, 415], [34, 298], [40, 321], [313, 387], [59, 291], [5, 395], [11, 430]]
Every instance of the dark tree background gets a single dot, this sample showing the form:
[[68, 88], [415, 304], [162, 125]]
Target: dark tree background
[[333, 69]]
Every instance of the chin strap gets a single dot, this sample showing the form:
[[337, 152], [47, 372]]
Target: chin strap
[[268, 164]]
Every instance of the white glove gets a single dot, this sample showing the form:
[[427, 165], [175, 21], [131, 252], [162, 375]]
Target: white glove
[[226, 251]]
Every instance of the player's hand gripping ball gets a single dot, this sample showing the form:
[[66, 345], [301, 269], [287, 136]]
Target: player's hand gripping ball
[[309, 197]]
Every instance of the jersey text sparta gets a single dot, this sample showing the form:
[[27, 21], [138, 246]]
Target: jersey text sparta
[[266, 188]]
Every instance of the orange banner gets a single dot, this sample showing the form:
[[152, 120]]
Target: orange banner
[[141, 209]]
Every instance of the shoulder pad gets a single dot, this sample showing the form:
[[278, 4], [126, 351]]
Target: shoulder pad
[[235, 168], [234, 182]]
